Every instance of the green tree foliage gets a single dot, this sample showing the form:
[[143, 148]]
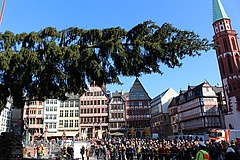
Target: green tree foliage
[[50, 63]]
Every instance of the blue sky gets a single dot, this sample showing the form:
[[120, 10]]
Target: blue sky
[[193, 15]]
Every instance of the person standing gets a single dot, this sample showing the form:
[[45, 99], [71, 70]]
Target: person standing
[[64, 153], [70, 152], [82, 151], [87, 153], [202, 154], [38, 152]]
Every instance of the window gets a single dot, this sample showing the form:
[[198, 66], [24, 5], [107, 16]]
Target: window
[[55, 108], [60, 122], [54, 126], [32, 102], [66, 113], [71, 103], [71, 113], [71, 123], [66, 103], [222, 66], [181, 97], [65, 123], [233, 43], [141, 94], [229, 64], [76, 103], [76, 123], [189, 93], [134, 94], [61, 104], [219, 50], [39, 111], [47, 108], [61, 113], [76, 113], [225, 45]]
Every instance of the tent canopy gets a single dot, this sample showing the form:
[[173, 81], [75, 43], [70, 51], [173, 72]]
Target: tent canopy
[[117, 134]]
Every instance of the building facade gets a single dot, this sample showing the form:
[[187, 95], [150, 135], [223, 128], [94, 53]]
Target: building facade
[[50, 118], [93, 116], [68, 119], [5, 117], [228, 57], [197, 109], [160, 122], [138, 111], [173, 116], [117, 113], [33, 117]]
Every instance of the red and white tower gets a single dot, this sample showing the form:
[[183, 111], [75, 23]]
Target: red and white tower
[[228, 56]]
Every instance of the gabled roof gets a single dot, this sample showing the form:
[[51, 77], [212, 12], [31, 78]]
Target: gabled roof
[[217, 89], [161, 95], [116, 94], [173, 102], [140, 88], [218, 10]]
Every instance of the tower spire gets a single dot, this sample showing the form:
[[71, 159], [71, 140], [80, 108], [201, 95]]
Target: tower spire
[[218, 10]]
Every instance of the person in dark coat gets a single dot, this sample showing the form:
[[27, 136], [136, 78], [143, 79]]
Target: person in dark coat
[[82, 151], [70, 152], [231, 155]]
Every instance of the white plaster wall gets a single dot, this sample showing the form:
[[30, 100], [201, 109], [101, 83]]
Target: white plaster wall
[[166, 99], [234, 118]]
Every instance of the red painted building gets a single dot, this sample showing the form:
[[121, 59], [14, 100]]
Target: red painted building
[[228, 56], [138, 111]]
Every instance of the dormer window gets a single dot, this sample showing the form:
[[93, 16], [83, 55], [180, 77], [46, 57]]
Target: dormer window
[[181, 97], [189, 93]]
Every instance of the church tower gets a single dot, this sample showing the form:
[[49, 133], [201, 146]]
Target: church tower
[[228, 57]]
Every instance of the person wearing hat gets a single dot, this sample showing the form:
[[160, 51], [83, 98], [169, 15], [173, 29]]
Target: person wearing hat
[[202, 154]]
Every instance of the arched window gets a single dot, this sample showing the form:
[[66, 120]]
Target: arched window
[[218, 48], [222, 67], [238, 62], [225, 45], [233, 43], [230, 87], [234, 85], [229, 64]]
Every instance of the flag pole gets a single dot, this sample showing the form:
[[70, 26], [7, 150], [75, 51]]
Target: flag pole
[[2, 10]]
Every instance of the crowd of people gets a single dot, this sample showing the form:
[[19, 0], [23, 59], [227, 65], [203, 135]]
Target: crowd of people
[[156, 149]]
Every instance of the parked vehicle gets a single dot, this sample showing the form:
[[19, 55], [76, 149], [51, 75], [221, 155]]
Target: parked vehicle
[[219, 135]]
